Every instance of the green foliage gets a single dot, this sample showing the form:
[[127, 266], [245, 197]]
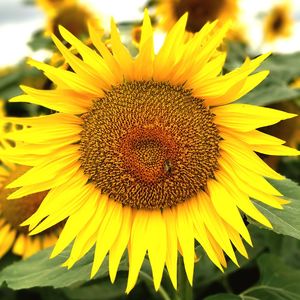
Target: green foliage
[[285, 221], [39, 271], [40, 41], [277, 282], [284, 69]]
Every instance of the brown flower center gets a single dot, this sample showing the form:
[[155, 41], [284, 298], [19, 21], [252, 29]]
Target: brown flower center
[[200, 12], [14, 212], [149, 144], [74, 18]]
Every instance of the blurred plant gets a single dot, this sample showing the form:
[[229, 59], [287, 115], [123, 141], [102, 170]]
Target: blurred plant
[[167, 13], [278, 22], [71, 14], [12, 214]]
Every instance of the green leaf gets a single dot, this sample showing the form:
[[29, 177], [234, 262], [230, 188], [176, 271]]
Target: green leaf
[[277, 281], [223, 297], [270, 91], [276, 87], [40, 41], [285, 221], [39, 270], [101, 290]]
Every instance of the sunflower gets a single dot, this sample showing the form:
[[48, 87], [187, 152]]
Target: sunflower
[[13, 213], [200, 12], [148, 153], [68, 13], [136, 35], [278, 23]]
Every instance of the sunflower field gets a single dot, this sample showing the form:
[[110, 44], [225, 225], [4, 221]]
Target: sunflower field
[[149, 150]]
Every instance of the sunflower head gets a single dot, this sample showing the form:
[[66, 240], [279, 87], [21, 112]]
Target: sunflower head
[[64, 12], [148, 153], [200, 12], [13, 213], [278, 23], [51, 6], [136, 35]]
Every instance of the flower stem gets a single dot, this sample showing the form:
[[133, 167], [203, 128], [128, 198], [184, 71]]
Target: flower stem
[[161, 290], [185, 291]]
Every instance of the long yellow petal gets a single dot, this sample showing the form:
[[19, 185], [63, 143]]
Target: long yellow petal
[[157, 245], [213, 223], [73, 227], [244, 185], [120, 244], [200, 232], [7, 242], [245, 117], [121, 53], [138, 246], [87, 237], [240, 153], [47, 171], [185, 233], [172, 251], [254, 137], [107, 233], [105, 53], [276, 150], [242, 200], [166, 58], [89, 56], [227, 209]]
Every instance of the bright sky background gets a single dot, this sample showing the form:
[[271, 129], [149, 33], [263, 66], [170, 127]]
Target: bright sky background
[[19, 21]]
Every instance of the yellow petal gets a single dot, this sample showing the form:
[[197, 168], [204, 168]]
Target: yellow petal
[[245, 117], [138, 246], [214, 224], [166, 58], [88, 235], [244, 185], [66, 79], [185, 233], [200, 232], [157, 245], [107, 233], [227, 209], [171, 258], [105, 53], [236, 239], [121, 53], [47, 171], [240, 153], [73, 227], [276, 150], [19, 245], [242, 200], [120, 244], [254, 137], [89, 56], [7, 242]]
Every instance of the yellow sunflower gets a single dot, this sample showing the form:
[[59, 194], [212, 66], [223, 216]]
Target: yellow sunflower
[[12, 213], [200, 12], [279, 22], [148, 153], [70, 14]]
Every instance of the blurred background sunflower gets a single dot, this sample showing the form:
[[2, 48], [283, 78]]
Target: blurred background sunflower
[[13, 236]]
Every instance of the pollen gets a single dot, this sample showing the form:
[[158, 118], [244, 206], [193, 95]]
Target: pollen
[[149, 144]]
